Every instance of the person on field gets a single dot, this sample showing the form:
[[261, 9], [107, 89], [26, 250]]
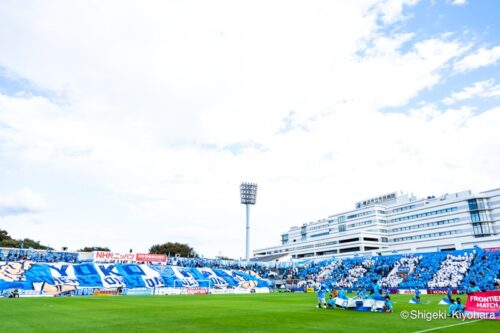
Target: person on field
[[361, 292], [456, 308], [14, 293], [388, 304], [376, 289], [321, 297], [342, 293], [460, 307], [331, 302], [473, 288], [417, 299], [452, 308]]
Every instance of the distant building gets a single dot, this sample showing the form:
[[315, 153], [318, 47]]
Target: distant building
[[397, 222]]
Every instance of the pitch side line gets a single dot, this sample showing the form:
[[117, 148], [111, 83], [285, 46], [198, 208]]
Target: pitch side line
[[441, 327]]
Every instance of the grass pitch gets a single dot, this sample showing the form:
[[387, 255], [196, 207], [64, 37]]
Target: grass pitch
[[219, 313]]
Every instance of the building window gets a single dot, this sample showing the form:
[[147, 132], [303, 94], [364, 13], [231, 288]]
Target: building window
[[477, 211], [350, 240], [402, 209], [426, 225], [472, 204], [421, 215], [482, 229], [432, 235], [349, 249], [320, 234], [284, 239], [474, 216], [475, 204]]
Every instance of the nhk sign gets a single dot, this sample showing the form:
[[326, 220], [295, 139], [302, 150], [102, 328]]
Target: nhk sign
[[104, 256]]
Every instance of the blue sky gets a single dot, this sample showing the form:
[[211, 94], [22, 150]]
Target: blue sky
[[473, 22], [128, 124]]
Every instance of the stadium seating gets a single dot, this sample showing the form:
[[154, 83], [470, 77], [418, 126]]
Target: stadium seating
[[380, 267], [452, 271], [428, 265], [439, 270], [484, 271], [394, 277], [37, 255]]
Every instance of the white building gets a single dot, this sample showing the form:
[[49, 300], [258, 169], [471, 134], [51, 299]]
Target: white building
[[397, 222]]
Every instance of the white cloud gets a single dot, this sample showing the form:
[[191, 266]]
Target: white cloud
[[481, 89], [191, 194], [480, 58], [23, 201], [458, 2], [392, 10]]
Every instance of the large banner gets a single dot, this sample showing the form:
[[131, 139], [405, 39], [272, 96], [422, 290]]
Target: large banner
[[411, 291], [487, 303], [174, 276], [56, 278], [358, 304]]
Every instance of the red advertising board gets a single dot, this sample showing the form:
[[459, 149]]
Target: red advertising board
[[492, 249], [487, 302], [196, 291], [440, 291], [143, 257]]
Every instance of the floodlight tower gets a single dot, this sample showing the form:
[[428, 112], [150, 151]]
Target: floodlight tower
[[248, 194]]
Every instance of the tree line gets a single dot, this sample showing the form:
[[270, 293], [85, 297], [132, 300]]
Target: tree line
[[168, 248], [7, 241]]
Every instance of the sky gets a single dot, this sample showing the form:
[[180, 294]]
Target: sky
[[132, 123]]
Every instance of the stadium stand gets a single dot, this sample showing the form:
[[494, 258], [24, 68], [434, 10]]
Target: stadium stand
[[404, 264], [380, 267], [484, 271], [455, 269], [452, 271], [37, 255], [429, 264]]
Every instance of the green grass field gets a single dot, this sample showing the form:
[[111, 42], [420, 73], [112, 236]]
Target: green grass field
[[217, 313]]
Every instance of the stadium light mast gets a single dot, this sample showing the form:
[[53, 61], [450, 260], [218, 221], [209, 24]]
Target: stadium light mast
[[248, 195]]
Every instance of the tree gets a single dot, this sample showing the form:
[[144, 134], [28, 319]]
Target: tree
[[184, 250], [4, 235], [29, 243], [94, 248], [7, 241]]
